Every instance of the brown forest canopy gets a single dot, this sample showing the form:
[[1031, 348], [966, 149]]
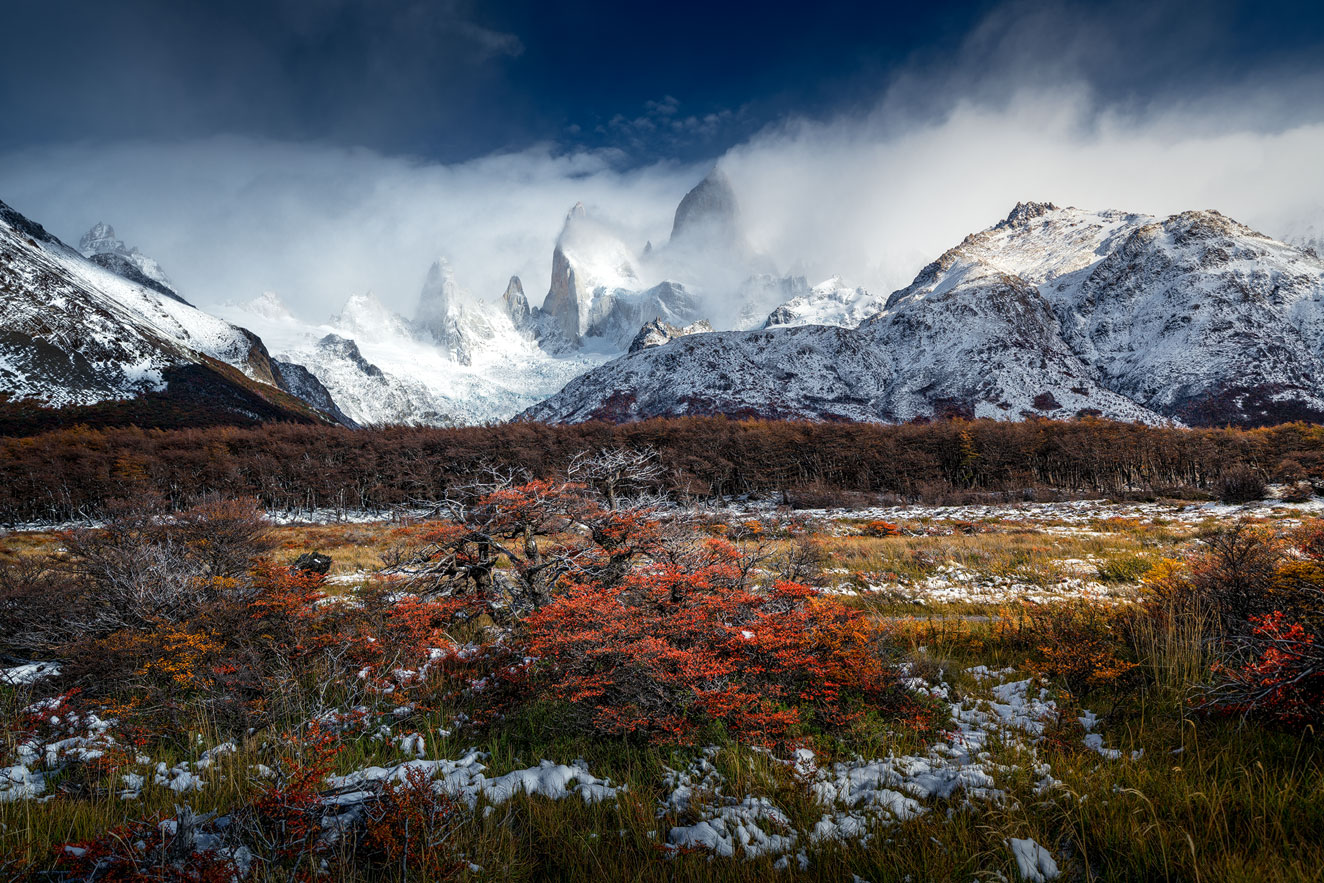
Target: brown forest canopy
[[73, 473]]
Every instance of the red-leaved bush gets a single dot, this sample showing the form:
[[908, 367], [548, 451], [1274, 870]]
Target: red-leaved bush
[[671, 651], [1284, 682]]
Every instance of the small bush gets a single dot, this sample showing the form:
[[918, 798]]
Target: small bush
[[1079, 648], [1282, 682], [1298, 492], [880, 529], [1241, 484], [409, 828]]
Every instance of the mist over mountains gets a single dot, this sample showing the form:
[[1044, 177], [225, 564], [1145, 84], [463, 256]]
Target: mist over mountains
[[438, 287], [1051, 312]]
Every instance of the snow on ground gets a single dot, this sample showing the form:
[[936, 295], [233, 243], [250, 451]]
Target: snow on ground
[[22, 675], [860, 796], [1035, 863], [464, 780], [952, 583], [1071, 517], [1070, 512], [989, 744]]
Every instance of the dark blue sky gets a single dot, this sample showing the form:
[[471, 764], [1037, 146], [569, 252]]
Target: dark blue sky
[[454, 79]]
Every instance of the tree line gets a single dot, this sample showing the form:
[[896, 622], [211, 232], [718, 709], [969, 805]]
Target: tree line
[[74, 473]]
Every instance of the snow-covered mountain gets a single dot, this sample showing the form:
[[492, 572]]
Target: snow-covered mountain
[[1051, 312], [832, 302], [460, 358], [100, 246], [657, 332], [459, 361], [73, 332]]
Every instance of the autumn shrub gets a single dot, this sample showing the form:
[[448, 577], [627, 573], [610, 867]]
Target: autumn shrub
[[1241, 621], [145, 851], [1233, 573], [1241, 484], [1298, 492], [879, 528], [142, 569], [673, 651], [286, 814], [1282, 681], [408, 831], [1078, 647]]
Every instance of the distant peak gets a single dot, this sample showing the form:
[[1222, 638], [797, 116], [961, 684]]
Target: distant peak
[[439, 273], [269, 305], [710, 204], [366, 298], [1024, 212], [101, 240]]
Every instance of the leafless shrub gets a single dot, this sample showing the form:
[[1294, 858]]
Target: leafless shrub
[[1241, 484], [619, 474]]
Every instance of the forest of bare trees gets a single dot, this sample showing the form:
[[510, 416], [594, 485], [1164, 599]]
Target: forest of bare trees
[[74, 473]]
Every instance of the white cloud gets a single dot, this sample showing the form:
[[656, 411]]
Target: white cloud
[[229, 218], [875, 204]]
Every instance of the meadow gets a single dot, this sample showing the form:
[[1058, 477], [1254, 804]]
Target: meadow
[[574, 678]]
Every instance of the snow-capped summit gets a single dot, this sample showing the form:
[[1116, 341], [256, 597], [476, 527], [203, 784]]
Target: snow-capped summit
[[101, 240], [831, 302], [588, 263], [446, 316], [268, 305], [101, 247], [517, 305], [710, 214], [365, 318], [657, 333]]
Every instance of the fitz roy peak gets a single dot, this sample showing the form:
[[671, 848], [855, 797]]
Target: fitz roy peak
[[1053, 312]]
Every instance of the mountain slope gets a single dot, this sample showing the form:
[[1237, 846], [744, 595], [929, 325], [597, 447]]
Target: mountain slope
[[75, 334], [1051, 312], [1194, 316]]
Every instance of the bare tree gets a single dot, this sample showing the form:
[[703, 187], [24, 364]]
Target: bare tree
[[545, 531], [618, 472]]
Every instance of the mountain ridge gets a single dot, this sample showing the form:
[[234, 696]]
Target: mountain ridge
[[1052, 312]]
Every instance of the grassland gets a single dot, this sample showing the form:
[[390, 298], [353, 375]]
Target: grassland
[[1166, 793]]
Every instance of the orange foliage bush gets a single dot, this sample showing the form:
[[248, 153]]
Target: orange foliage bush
[[1265, 591], [1077, 647], [1282, 682], [408, 828], [880, 529], [674, 650]]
